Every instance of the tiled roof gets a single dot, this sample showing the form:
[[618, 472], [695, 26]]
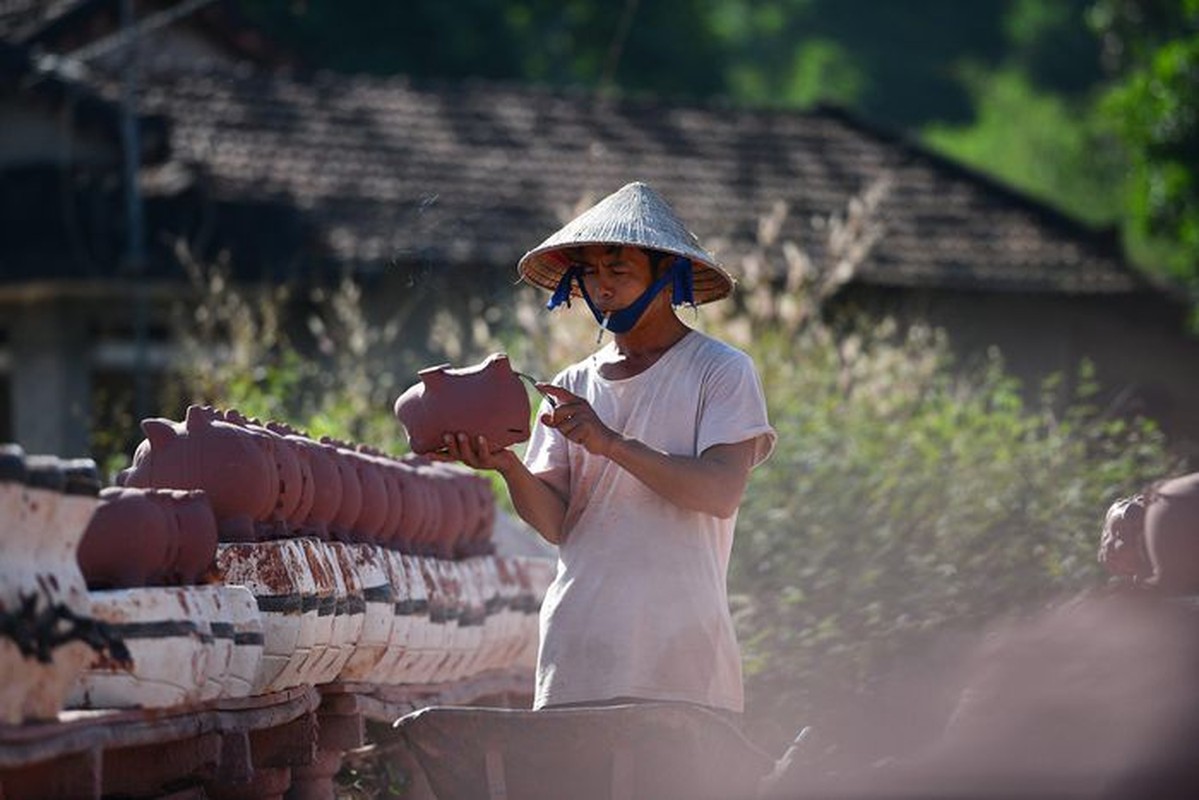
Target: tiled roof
[[389, 170]]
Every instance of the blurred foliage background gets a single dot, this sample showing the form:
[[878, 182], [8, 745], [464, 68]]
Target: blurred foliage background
[[909, 498]]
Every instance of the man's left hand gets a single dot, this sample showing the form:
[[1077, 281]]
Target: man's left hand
[[575, 419]]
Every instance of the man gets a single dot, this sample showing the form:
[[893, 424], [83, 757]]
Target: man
[[636, 466]]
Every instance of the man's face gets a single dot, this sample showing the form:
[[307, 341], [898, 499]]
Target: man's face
[[615, 276]]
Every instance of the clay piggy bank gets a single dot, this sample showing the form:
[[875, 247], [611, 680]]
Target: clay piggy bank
[[487, 399], [341, 527], [225, 460], [1152, 539], [368, 527], [197, 534], [1122, 543], [148, 537], [130, 541], [1172, 535], [294, 499], [320, 463]]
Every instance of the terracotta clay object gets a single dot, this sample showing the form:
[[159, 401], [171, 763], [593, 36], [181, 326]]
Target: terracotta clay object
[[477, 539], [416, 507], [1122, 543], [188, 644], [472, 512], [438, 515], [227, 461], [46, 472], [349, 607], [238, 613], [324, 598], [290, 486], [197, 530], [370, 566], [170, 640], [410, 609], [131, 540], [12, 463], [341, 527], [393, 485], [453, 513], [278, 574], [148, 537], [1172, 535], [325, 479], [372, 516], [487, 399], [81, 476], [316, 469]]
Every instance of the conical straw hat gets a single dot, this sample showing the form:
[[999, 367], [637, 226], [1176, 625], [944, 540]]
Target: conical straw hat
[[635, 215]]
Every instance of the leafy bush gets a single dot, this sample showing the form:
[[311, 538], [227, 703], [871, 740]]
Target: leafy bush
[[905, 499]]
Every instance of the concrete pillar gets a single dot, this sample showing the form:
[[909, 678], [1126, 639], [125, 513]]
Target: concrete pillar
[[51, 387]]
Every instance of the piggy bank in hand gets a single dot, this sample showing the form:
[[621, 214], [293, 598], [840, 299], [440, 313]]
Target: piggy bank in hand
[[487, 399]]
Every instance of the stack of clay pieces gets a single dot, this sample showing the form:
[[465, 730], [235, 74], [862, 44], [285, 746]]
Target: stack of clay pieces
[[267, 481]]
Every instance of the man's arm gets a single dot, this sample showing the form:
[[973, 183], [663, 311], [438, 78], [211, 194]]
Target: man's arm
[[537, 503], [712, 483]]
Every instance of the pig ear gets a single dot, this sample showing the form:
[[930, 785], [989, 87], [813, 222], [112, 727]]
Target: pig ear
[[197, 417], [158, 431]]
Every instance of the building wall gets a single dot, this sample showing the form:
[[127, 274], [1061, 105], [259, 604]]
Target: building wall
[[32, 135], [1145, 360]]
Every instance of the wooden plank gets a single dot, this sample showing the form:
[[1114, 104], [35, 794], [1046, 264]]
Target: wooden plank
[[75, 776], [78, 732], [390, 702], [146, 770]]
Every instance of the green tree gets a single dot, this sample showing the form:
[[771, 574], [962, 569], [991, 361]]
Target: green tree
[[896, 61], [1054, 147], [660, 47], [1153, 46]]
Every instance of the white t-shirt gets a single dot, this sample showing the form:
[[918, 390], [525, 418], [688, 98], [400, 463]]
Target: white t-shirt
[[639, 607]]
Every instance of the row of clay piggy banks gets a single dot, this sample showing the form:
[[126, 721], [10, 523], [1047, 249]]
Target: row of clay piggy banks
[[269, 481], [148, 537]]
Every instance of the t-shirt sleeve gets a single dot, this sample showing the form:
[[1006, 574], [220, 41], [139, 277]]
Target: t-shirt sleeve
[[734, 408]]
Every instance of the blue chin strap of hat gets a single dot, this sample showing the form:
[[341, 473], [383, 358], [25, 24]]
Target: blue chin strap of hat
[[679, 277]]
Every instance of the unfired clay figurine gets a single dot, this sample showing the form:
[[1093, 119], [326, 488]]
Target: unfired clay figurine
[[487, 399], [225, 460], [148, 537]]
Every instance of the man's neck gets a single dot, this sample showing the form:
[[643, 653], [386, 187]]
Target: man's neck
[[641, 347]]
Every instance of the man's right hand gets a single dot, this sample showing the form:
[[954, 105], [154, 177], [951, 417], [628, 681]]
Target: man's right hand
[[476, 454]]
